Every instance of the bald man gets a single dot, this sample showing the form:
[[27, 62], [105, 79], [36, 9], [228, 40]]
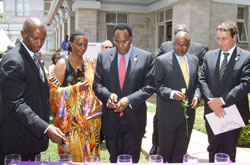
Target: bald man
[[175, 71], [24, 97], [107, 44]]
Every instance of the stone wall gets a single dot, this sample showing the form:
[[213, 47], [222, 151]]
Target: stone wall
[[86, 20], [199, 21], [140, 25], [219, 12], [101, 26]]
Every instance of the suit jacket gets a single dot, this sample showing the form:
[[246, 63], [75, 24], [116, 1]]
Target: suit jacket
[[195, 49], [235, 84], [138, 86], [25, 104], [168, 77]]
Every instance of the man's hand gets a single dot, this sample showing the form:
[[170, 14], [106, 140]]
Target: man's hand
[[55, 134], [122, 104], [195, 102], [112, 101], [215, 105], [178, 96]]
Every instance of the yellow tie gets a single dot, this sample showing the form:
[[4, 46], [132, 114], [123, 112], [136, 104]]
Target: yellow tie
[[184, 70]]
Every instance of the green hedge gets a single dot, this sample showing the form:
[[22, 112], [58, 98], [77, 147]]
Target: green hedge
[[244, 140]]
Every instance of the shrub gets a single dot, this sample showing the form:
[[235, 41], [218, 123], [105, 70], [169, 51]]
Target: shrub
[[244, 140]]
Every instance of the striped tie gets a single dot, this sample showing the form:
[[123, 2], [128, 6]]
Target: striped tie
[[223, 65], [36, 60]]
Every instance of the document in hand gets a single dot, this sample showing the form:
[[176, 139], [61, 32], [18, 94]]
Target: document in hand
[[231, 121]]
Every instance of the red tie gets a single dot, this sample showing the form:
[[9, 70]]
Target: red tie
[[122, 70], [122, 73]]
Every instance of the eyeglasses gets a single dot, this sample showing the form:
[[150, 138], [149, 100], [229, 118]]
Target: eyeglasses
[[223, 39], [121, 42], [180, 46]]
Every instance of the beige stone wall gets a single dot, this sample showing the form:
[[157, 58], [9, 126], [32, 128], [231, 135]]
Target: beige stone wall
[[101, 26], [86, 20], [219, 12], [71, 25], [152, 33], [11, 18], [140, 25], [199, 21], [181, 14]]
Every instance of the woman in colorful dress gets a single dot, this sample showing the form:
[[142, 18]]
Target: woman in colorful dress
[[76, 109]]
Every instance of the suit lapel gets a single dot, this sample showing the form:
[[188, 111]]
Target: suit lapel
[[113, 62], [24, 53], [216, 66], [177, 70], [191, 68], [133, 58]]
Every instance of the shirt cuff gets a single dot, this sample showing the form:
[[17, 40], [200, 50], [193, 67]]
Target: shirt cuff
[[46, 129], [223, 102], [130, 106], [172, 95], [107, 105]]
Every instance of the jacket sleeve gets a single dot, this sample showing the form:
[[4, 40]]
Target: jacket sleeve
[[141, 95]]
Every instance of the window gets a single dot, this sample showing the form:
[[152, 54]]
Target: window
[[164, 26], [22, 7], [111, 20], [46, 7], [241, 23]]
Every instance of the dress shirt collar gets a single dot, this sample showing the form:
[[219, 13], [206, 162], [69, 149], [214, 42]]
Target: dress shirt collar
[[129, 51], [126, 56], [229, 56], [230, 51], [29, 51]]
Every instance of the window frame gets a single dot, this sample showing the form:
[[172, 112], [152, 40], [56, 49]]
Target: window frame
[[22, 12], [113, 24], [244, 24], [162, 23]]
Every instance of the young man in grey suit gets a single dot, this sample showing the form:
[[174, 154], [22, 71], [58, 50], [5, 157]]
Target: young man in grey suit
[[123, 81], [225, 80], [176, 79], [24, 90]]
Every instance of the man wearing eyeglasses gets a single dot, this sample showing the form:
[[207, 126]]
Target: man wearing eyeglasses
[[124, 79], [176, 81], [106, 45], [195, 49], [225, 80]]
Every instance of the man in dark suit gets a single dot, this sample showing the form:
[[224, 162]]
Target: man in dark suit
[[175, 71], [123, 82], [195, 49], [24, 90], [225, 80]]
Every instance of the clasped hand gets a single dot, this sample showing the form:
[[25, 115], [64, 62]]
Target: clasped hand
[[215, 104], [118, 106]]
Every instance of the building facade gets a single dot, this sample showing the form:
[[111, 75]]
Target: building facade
[[151, 20], [17, 11]]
